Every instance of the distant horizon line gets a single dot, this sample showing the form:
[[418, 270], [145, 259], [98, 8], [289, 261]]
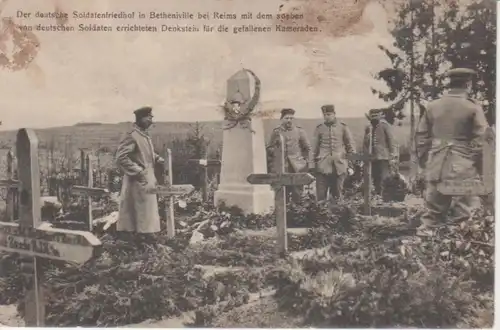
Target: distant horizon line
[[89, 123]]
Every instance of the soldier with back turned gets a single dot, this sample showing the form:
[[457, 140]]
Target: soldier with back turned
[[449, 144]]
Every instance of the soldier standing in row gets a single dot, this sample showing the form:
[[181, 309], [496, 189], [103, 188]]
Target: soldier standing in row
[[135, 157], [297, 149], [384, 148], [448, 144], [332, 140]]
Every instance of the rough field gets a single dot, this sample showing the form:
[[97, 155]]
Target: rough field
[[222, 270]]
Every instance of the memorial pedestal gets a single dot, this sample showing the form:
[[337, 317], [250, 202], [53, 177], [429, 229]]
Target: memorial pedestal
[[244, 153]]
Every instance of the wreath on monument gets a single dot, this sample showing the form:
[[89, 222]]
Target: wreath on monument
[[236, 118]]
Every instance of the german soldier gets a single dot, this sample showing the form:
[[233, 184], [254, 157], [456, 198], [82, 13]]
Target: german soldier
[[298, 157], [138, 211], [332, 140], [384, 148], [448, 144]]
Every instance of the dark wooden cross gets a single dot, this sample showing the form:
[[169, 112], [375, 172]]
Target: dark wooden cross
[[169, 190], [34, 241], [88, 191], [11, 184], [204, 164], [479, 187], [278, 182], [366, 157]]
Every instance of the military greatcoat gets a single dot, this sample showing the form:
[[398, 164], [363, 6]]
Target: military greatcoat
[[138, 211], [297, 148], [449, 137], [448, 144]]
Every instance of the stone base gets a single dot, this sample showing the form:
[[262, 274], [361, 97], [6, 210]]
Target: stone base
[[249, 198]]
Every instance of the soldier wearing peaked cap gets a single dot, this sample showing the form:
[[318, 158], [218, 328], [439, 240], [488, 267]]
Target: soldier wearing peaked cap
[[448, 143], [332, 142], [138, 211], [384, 147], [297, 148]]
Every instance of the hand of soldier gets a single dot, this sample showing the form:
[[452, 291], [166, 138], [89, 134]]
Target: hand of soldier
[[160, 160], [141, 178]]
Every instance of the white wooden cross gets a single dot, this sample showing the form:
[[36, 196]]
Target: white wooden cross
[[170, 190], [480, 187], [366, 157], [32, 240], [278, 182], [89, 190]]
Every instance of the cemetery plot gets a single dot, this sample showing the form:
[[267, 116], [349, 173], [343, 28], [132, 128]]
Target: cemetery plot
[[343, 268], [29, 240]]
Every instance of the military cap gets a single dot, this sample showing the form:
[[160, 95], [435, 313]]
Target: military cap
[[287, 111], [375, 113], [328, 108], [143, 112], [236, 98], [460, 73]]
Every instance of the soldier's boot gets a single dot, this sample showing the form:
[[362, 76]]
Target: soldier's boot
[[437, 206], [462, 207]]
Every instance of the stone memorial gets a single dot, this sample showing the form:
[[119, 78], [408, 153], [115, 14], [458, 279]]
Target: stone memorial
[[243, 148]]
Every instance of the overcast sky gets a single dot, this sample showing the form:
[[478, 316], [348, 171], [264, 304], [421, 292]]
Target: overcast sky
[[103, 77]]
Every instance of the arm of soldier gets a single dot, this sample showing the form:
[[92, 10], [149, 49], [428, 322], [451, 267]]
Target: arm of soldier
[[366, 138], [423, 139], [480, 124], [348, 140], [306, 146], [391, 142], [123, 160], [315, 144], [272, 143]]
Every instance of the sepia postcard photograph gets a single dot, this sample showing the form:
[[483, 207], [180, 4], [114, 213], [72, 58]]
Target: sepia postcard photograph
[[247, 163]]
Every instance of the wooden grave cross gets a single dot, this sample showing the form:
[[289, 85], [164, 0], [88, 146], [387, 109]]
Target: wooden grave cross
[[278, 182], [34, 241], [478, 187], [88, 191], [204, 164], [169, 190], [367, 158]]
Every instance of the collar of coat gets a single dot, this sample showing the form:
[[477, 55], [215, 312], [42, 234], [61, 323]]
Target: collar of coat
[[332, 123], [283, 128], [457, 92], [141, 131]]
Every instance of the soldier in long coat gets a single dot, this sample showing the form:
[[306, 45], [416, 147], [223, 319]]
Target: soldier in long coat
[[448, 144], [332, 143], [298, 156], [384, 148], [138, 211]]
